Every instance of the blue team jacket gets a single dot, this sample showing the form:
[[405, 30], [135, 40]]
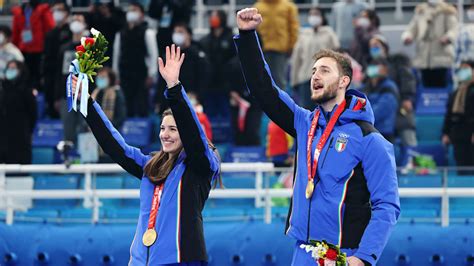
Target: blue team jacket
[[179, 223], [355, 203]]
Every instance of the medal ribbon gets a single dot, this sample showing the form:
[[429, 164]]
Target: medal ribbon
[[322, 140], [155, 204]]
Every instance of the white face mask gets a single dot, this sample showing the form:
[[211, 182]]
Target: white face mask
[[2, 38], [132, 16], [470, 15], [363, 22], [58, 16], [178, 38], [315, 20], [77, 27]]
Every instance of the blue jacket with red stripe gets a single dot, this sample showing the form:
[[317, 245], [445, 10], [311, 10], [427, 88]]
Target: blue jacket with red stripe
[[179, 223], [355, 203]]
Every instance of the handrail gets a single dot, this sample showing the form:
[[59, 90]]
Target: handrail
[[263, 196]]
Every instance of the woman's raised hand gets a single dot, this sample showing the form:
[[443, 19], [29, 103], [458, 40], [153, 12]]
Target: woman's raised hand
[[174, 60]]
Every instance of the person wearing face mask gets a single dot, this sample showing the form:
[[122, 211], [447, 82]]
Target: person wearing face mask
[[18, 115], [134, 59], [366, 26], [8, 51], [72, 122], [219, 49], [400, 71], [343, 14], [465, 40], [458, 127], [31, 21], [58, 36], [383, 95], [312, 39], [174, 182], [168, 13], [195, 70], [433, 29]]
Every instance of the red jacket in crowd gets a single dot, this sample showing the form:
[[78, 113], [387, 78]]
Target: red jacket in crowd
[[41, 22]]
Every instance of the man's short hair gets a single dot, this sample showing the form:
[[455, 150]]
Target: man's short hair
[[343, 62]]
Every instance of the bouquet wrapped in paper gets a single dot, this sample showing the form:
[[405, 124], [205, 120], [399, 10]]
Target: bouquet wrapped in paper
[[90, 56]]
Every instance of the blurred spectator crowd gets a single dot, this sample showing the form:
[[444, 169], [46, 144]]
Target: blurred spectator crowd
[[38, 46]]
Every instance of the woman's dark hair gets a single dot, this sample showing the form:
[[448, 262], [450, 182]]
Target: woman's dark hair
[[161, 164], [373, 17], [185, 26], [111, 75]]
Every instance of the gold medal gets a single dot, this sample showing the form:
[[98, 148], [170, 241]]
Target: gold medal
[[149, 237], [309, 189]]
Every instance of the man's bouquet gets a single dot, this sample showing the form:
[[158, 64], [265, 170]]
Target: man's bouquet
[[90, 56], [325, 254]]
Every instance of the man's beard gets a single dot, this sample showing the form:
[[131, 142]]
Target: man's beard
[[328, 94]]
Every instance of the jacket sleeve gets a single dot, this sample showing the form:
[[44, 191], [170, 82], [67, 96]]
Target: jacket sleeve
[[385, 106], [411, 31], [152, 53], [380, 172], [448, 115], [277, 104], [407, 83], [16, 30], [295, 63], [48, 21], [198, 153], [470, 109], [451, 28], [129, 158]]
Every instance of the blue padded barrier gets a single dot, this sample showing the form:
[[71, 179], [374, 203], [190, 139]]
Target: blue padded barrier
[[131, 182], [43, 155], [420, 181], [234, 243], [460, 181], [56, 182]]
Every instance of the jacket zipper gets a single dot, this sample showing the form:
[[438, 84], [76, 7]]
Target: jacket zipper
[[327, 151], [315, 185], [309, 213], [147, 255]]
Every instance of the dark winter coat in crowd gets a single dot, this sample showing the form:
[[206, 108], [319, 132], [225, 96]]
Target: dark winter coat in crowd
[[18, 116], [108, 26], [219, 50], [194, 74], [50, 69], [400, 71]]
